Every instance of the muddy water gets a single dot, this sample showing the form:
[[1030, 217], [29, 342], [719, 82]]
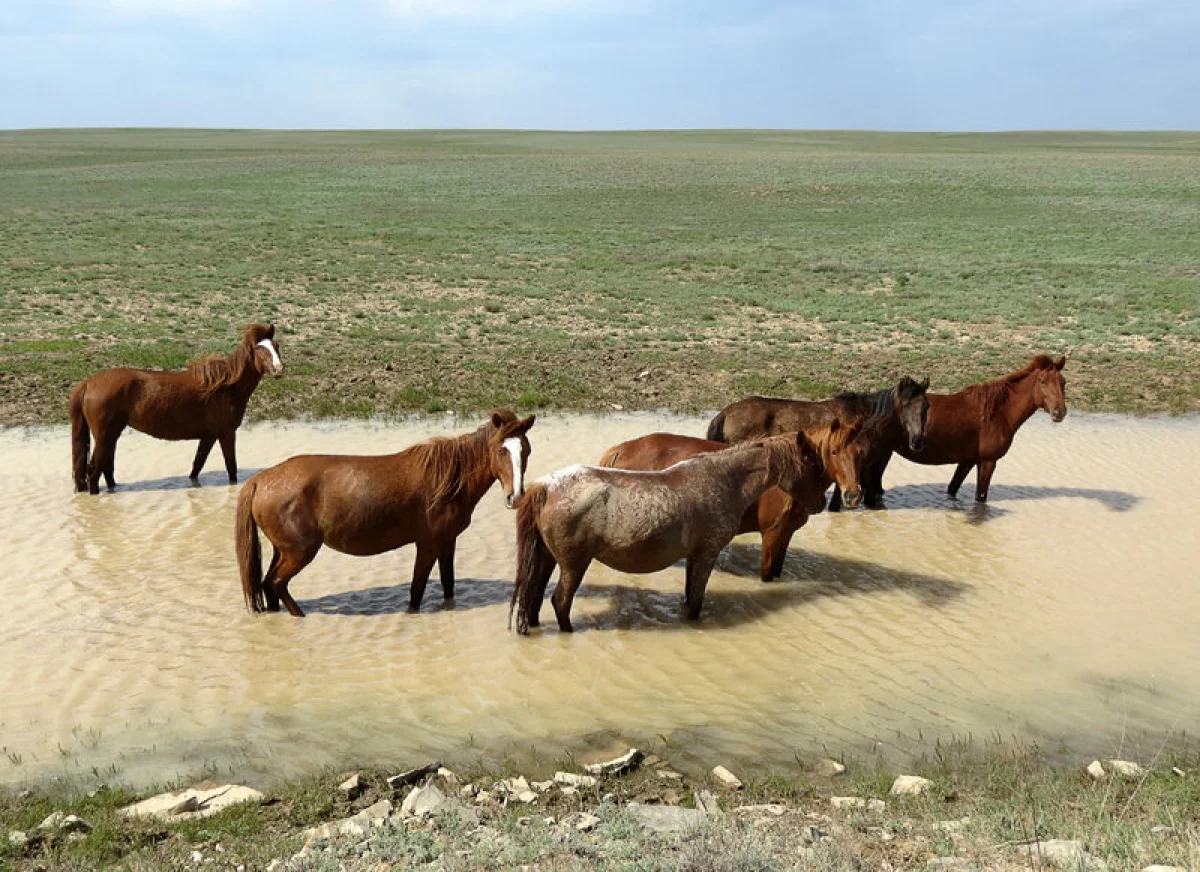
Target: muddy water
[[1064, 611]]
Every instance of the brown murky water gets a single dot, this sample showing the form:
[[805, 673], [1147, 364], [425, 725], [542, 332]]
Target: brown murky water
[[1064, 611]]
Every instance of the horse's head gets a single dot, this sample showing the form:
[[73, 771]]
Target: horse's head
[[1049, 387], [913, 407], [266, 349], [803, 475], [508, 452], [844, 456]]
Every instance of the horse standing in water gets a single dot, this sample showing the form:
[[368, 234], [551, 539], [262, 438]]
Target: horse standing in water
[[645, 521], [366, 505], [890, 418], [206, 401], [975, 427], [777, 513]]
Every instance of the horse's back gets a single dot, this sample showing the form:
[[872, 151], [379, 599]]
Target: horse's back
[[657, 451], [755, 417], [952, 431]]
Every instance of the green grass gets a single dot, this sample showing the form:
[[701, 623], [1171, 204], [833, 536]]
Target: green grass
[[457, 269]]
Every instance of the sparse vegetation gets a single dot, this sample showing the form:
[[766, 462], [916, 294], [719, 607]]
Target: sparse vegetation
[[434, 270]]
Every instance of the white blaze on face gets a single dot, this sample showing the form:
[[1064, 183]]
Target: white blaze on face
[[275, 361], [513, 445]]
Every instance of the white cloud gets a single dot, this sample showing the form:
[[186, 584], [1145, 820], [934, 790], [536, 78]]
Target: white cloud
[[502, 10]]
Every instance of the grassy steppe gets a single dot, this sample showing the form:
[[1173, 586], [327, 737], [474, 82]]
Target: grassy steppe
[[430, 270]]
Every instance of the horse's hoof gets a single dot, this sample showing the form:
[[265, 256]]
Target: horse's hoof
[[981, 499]]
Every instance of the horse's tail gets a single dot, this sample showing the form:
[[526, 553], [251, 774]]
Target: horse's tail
[[610, 456], [81, 438], [249, 550], [716, 429], [531, 554]]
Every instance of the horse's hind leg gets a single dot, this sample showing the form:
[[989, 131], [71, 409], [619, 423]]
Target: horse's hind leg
[[229, 449], [205, 446], [537, 585], [699, 568], [873, 493], [446, 570], [569, 580], [835, 501], [426, 557], [957, 479], [984, 479], [269, 582], [104, 457], [285, 566]]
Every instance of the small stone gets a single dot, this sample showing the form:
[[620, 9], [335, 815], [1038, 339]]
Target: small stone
[[771, 808], [468, 790], [644, 374], [829, 768], [610, 798], [618, 765], [542, 786], [568, 790], [197, 857], [727, 778], [585, 822], [484, 797], [376, 813], [18, 838], [1096, 770], [880, 833], [1065, 853], [876, 805], [813, 834], [910, 785], [412, 776], [527, 796], [706, 801], [670, 775], [1178, 771], [422, 801], [847, 802], [52, 821], [574, 780], [1127, 768], [273, 865], [1161, 830], [352, 786], [666, 818], [449, 776], [616, 407], [516, 785]]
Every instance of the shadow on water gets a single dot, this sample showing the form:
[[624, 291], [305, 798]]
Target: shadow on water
[[179, 482], [923, 496], [634, 607]]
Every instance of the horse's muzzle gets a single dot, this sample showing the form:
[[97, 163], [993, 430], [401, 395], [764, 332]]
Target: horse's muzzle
[[1058, 414], [277, 371], [916, 443], [852, 499], [511, 500]]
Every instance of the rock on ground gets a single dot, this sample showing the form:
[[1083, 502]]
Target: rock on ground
[[727, 778], [192, 803], [573, 780], [910, 785], [422, 801], [1064, 853], [829, 768], [847, 802], [412, 776], [618, 765], [352, 786], [666, 818], [1096, 770], [1127, 768]]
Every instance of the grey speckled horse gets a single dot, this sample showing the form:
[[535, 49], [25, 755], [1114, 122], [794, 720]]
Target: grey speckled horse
[[641, 522]]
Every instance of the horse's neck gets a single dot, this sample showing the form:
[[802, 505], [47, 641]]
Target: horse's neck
[[1018, 405], [751, 477], [477, 475]]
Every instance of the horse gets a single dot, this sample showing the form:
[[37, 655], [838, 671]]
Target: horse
[[643, 522], [206, 401], [777, 514], [976, 426], [366, 505], [890, 417]]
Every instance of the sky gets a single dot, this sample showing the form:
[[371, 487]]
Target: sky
[[601, 64]]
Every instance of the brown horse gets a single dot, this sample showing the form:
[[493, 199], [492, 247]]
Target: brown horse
[[777, 514], [367, 505], [890, 417], [976, 426], [206, 402], [645, 521]]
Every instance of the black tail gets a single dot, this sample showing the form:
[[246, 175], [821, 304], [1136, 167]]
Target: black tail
[[716, 429], [249, 550], [531, 556], [81, 439]]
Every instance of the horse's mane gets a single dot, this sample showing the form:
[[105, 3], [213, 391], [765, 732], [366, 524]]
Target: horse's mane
[[446, 459], [221, 370], [875, 406], [990, 396], [828, 440]]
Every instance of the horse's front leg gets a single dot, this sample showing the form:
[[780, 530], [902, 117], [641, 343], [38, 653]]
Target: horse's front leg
[[229, 449], [873, 497], [426, 557], [570, 576], [699, 568], [835, 501], [202, 450], [957, 479], [986, 468], [446, 570]]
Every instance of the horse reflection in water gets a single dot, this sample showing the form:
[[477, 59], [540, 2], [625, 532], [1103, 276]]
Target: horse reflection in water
[[642, 522]]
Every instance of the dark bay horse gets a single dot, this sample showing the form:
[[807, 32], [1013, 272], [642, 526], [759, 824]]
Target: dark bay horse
[[206, 401], [890, 417], [777, 513], [975, 427], [645, 521], [366, 505]]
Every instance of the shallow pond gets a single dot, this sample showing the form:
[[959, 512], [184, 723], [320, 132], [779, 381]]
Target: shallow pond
[[1064, 611]]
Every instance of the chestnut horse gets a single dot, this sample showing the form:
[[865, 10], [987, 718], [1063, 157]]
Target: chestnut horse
[[206, 402], [777, 514], [366, 505], [890, 417], [975, 427], [645, 521]]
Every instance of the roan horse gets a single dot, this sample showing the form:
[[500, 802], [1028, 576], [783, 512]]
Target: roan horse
[[976, 426], [777, 514], [889, 418], [206, 402], [366, 505], [645, 521]]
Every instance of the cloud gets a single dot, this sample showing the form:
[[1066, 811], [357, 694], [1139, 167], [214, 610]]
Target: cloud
[[491, 11]]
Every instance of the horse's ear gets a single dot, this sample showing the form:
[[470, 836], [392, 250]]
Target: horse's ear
[[1061, 362], [924, 385], [835, 425], [526, 424], [497, 420], [270, 334]]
